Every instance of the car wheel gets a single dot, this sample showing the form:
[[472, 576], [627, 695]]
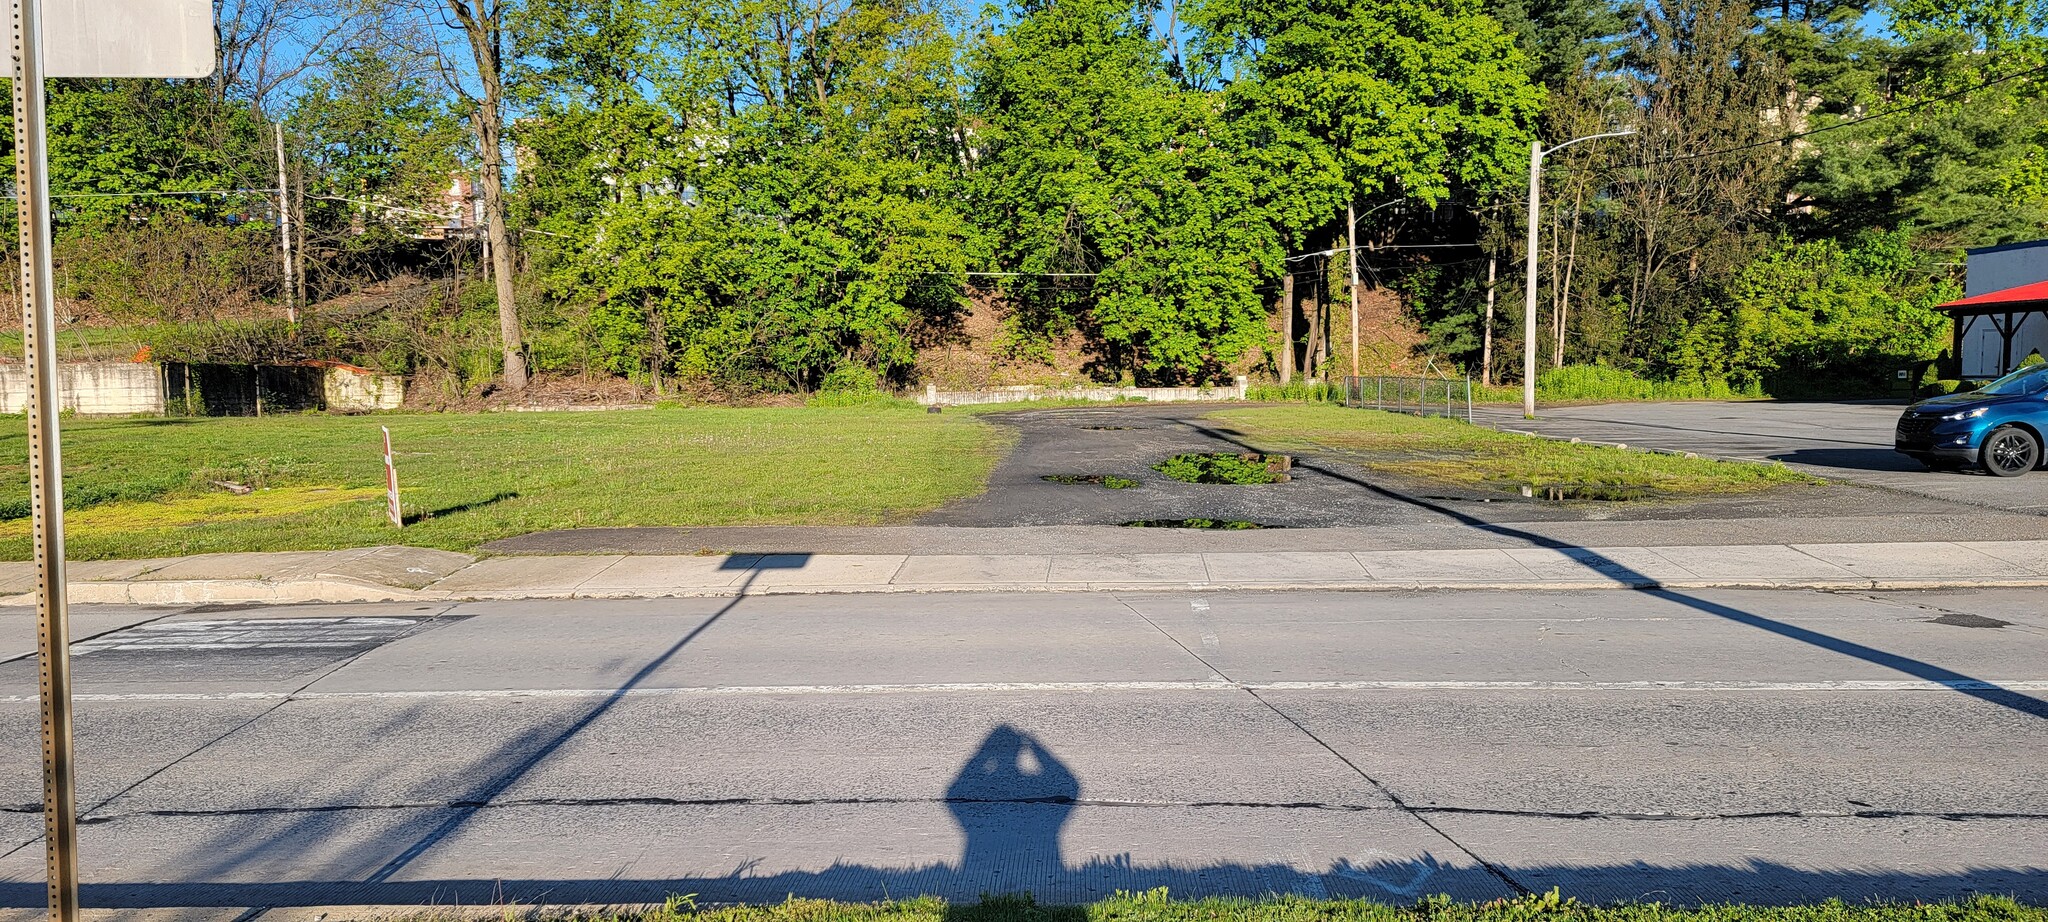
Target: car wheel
[[2010, 452]]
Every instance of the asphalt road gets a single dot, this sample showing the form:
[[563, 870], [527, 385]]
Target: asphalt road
[[1841, 441], [1619, 745]]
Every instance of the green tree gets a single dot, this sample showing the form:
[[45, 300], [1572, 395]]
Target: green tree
[[1123, 202], [1344, 101]]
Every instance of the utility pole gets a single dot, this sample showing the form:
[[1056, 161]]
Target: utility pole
[[1486, 335], [1536, 155], [284, 227], [1351, 220]]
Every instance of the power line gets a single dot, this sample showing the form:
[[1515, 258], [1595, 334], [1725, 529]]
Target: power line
[[10, 196], [1371, 248]]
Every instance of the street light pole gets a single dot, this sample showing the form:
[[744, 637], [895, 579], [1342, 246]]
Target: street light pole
[[1536, 155]]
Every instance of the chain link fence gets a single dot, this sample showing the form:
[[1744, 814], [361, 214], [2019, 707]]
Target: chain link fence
[[1448, 397]]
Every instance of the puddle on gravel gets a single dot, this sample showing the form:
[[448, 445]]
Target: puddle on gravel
[[1556, 493], [1111, 428], [1582, 492], [1964, 619], [1111, 481], [1211, 524]]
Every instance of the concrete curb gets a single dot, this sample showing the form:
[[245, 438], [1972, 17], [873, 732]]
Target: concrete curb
[[224, 592], [244, 592]]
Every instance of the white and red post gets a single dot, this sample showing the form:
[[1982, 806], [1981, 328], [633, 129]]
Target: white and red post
[[391, 483]]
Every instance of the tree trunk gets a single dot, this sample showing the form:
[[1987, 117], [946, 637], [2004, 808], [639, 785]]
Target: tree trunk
[[1564, 284], [493, 182], [481, 26]]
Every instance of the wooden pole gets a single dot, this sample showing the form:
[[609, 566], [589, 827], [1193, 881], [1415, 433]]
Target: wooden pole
[[1286, 325], [1351, 242], [1486, 335]]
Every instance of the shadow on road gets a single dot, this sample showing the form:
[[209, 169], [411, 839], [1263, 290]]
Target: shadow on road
[[1853, 459], [1011, 800], [1610, 568]]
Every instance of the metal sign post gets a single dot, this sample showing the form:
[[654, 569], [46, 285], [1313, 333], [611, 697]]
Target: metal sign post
[[45, 463], [90, 38]]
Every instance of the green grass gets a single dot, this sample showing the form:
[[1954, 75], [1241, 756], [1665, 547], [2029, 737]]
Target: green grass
[[87, 344], [1569, 384], [1453, 451], [142, 487], [1156, 906]]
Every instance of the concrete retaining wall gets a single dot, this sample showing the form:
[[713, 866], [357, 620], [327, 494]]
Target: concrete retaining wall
[[932, 395], [97, 388], [351, 390], [129, 388]]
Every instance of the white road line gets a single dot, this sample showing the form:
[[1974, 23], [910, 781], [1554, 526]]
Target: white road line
[[1906, 685]]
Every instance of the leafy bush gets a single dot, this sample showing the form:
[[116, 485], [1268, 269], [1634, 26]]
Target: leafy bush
[[1224, 468], [1818, 318], [1601, 382], [1296, 392]]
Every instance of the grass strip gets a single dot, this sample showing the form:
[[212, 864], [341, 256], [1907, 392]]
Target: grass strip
[[471, 478], [1453, 451], [1157, 906]]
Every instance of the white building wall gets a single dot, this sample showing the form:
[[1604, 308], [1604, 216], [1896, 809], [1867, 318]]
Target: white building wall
[[1995, 268]]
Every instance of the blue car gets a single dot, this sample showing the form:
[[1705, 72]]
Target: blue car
[[1998, 427]]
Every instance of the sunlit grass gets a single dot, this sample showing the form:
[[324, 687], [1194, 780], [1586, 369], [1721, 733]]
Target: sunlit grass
[[1157, 906], [1452, 451], [146, 484]]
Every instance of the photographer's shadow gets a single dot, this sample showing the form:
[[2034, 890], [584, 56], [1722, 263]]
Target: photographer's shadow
[[1011, 800]]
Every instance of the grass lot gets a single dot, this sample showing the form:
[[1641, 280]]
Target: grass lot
[[1456, 452], [1157, 907], [142, 487]]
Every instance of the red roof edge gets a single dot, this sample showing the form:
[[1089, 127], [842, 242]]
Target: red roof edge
[[2017, 295]]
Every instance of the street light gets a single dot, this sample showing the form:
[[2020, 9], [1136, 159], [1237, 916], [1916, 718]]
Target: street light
[[1536, 155]]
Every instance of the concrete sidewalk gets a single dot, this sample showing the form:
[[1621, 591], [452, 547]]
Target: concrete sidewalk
[[414, 574]]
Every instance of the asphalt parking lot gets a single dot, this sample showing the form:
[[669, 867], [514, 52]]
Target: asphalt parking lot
[[1840, 441]]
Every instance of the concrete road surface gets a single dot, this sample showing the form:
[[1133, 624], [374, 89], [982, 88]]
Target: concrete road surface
[[1620, 745], [1840, 441]]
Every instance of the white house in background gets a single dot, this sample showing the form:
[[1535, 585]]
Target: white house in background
[[2003, 314]]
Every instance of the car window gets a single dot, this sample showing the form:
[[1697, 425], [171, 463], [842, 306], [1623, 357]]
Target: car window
[[2024, 381]]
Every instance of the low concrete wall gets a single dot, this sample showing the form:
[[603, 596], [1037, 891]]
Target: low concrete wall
[[97, 388], [129, 388], [932, 395], [355, 390]]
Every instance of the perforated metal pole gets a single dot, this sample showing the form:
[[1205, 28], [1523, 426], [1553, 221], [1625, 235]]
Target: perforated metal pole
[[45, 462]]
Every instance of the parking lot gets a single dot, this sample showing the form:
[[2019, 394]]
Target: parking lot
[[1841, 441]]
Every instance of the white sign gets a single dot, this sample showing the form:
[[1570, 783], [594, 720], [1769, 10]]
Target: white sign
[[128, 38]]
